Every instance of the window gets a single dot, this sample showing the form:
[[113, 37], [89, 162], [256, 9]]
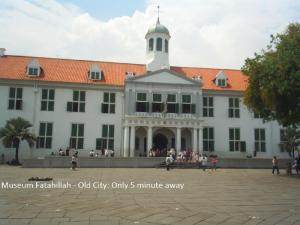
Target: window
[[172, 106], [95, 75], [44, 140], [158, 44], [234, 139], [283, 140], [157, 105], [208, 139], [208, 106], [187, 106], [107, 140], [141, 102], [109, 103], [78, 104], [260, 140], [221, 82], [77, 136], [234, 108], [32, 71], [47, 103], [151, 44], [166, 46], [15, 98]]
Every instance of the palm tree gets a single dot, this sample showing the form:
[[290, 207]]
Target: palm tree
[[15, 131], [290, 138]]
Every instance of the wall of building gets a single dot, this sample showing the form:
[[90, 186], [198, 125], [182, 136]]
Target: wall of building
[[92, 118]]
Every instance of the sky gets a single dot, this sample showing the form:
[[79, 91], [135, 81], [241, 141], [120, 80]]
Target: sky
[[204, 33]]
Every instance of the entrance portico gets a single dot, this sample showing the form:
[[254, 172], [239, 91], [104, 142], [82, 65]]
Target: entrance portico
[[165, 131]]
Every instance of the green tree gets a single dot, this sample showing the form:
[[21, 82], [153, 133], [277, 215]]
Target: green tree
[[274, 79], [290, 137], [15, 131]]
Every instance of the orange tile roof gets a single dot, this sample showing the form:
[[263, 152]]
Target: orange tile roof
[[76, 71]]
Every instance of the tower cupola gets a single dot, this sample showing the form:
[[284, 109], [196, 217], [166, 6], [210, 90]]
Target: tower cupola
[[157, 53]]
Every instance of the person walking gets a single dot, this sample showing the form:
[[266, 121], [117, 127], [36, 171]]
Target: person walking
[[296, 165], [275, 165], [74, 161], [204, 162]]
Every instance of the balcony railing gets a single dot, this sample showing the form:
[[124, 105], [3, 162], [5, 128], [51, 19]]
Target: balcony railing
[[165, 115]]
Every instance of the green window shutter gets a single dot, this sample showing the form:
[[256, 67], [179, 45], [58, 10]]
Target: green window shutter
[[106, 97], [48, 142], [43, 105], [263, 147], [104, 108], [80, 143], [112, 108], [211, 133], [205, 145], [112, 97], [231, 134], [256, 134], [42, 130], [111, 131], [51, 106], [230, 102], [74, 130], [69, 106], [211, 146], [193, 108], [262, 135], [37, 143], [19, 92], [49, 129], [82, 107], [237, 134], [204, 101], [98, 144], [243, 146], [75, 95], [211, 112], [111, 144], [231, 146], [256, 146], [230, 113], [80, 130], [82, 96], [205, 112], [51, 94], [104, 131], [237, 113], [211, 101], [236, 102], [205, 133], [147, 106], [12, 92], [44, 93]]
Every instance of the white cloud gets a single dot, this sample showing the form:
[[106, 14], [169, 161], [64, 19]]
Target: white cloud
[[206, 33]]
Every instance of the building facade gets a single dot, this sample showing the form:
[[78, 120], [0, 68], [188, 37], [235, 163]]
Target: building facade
[[131, 108]]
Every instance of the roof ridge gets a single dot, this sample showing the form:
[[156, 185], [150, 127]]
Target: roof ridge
[[211, 68], [68, 59]]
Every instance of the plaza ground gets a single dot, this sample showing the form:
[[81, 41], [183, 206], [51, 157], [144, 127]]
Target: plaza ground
[[227, 196]]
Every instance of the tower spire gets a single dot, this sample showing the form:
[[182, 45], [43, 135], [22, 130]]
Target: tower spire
[[158, 14]]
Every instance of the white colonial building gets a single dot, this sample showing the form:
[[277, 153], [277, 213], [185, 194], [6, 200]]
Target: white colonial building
[[132, 108]]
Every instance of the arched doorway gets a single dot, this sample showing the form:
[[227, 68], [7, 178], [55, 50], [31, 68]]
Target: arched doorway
[[160, 141]]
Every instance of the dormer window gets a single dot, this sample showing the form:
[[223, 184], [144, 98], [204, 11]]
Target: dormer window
[[221, 79], [33, 68], [221, 82], [95, 73]]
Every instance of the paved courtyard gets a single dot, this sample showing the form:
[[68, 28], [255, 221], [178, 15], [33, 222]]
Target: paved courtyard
[[222, 197]]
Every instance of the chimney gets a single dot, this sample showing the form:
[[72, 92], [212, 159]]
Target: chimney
[[2, 52]]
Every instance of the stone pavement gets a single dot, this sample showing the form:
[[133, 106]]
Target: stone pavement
[[222, 197]]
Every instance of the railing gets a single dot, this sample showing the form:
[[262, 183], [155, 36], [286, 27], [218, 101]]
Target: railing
[[165, 115]]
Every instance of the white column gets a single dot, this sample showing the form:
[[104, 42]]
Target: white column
[[195, 140], [149, 139], [132, 141], [178, 139], [200, 139], [126, 141]]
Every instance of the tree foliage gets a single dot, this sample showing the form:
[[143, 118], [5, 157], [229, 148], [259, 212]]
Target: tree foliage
[[274, 79], [15, 131]]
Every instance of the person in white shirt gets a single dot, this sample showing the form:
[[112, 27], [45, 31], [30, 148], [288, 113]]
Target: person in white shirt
[[204, 162]]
